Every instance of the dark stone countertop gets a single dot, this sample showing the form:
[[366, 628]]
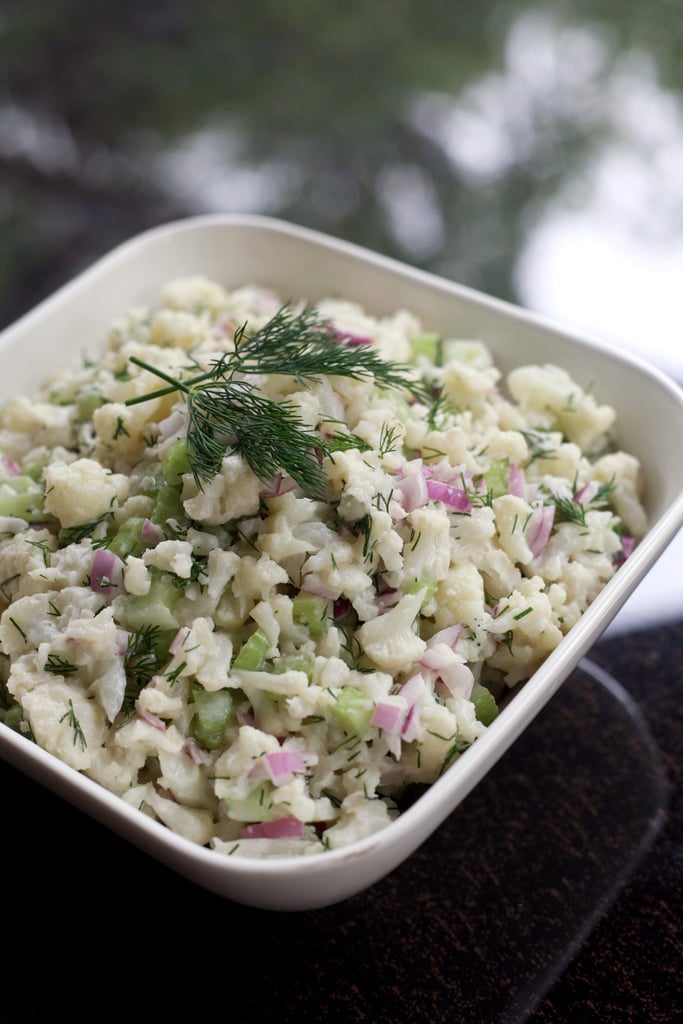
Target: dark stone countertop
[[553, 894]]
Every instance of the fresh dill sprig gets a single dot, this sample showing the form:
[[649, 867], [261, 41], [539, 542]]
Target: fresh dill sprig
[[141, 660], [226, 414], [541, 445], [55, 663], [72, 719]]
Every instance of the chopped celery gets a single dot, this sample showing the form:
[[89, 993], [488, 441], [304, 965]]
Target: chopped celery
[[154, 608], [256, 806], [20, 496], [312, 612], [472, 352], [353, 710], [35, 470], [128, 540], [496, 477], [213, 713], [428, 344], [87, 401], [152, 481], [422, 583], [293, 664], [252, 653], [175, 463], [168, 505], [484, 702]]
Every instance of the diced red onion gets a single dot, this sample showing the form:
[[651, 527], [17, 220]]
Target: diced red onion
[[151, 719], [411, 725], [389, 715], [539, 528], [10, 467], [281, 828], [448, 635], [341, 607], [350, 337], [151, 534], [195, 752], [178, 640], [454, 497], [516, 481], [245, 718], [280, 485], [389, 599], [412, 491], [282, 765], [585, 494], [413, 688], [449, 668], [437, 657], [313, 584], [627, 545], [106, 573]]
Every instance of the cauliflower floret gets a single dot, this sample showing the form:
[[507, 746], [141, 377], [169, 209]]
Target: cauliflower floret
[[192, 823], [176, 329], [82, 491], [549, 395], [193, 293], [426, 552], [233, 492], [390, 639], [358, 818], [171, 556], [622, 471], [65, 722], [38, 422]]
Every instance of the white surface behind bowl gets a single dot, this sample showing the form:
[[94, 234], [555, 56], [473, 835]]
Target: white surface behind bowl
[[297, 263]]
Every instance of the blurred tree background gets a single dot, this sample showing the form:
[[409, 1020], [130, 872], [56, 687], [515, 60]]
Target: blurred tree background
[[437, 132]]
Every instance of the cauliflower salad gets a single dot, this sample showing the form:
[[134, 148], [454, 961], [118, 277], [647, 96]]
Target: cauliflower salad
[[268, 567]]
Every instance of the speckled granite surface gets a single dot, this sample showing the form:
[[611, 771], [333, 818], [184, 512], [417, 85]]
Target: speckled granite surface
[[553, 894]]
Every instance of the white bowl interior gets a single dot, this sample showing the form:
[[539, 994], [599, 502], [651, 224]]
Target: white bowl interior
[[295, 262]]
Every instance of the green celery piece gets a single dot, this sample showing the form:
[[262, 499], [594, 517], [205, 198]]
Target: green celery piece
[[496, 477], [213, 713], [485, 705], [34, 470], [312, 613], [422, 583], [175, 463], [252, 654], [22, 498], [87, 401], [427, 344], [353, 710], [293, 664], [168, 505], [472, 352], [152, 481], [128, 539], [156, 607], [256, 806]]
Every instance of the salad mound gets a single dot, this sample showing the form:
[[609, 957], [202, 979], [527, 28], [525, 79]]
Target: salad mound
[[267, 566]]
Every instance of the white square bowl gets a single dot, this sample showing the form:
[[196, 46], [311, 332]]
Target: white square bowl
[[296, 262]]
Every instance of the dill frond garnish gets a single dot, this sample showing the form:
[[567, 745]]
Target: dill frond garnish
[[72, 719], [141, 660], [226, 414]]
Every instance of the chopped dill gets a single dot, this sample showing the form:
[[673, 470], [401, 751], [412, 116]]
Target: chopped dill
[[72, 719], [54, 663]]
